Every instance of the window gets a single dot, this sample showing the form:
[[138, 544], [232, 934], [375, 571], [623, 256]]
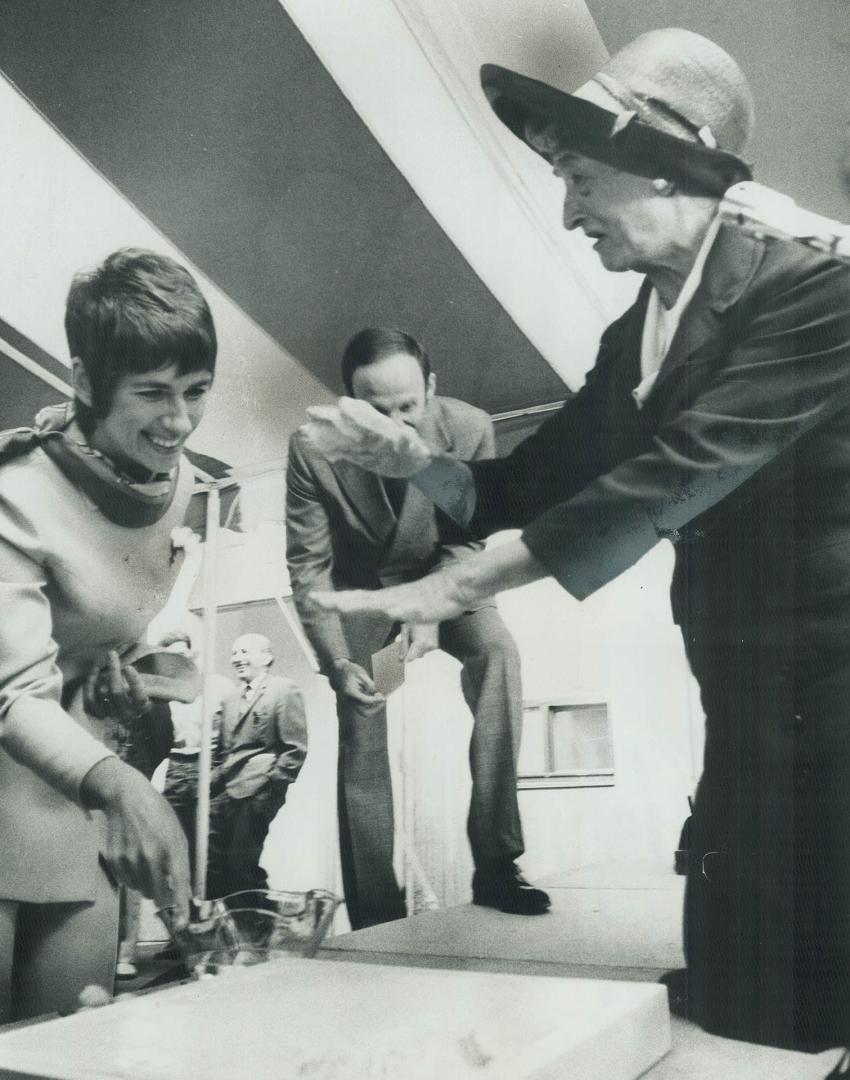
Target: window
[[566, 744]]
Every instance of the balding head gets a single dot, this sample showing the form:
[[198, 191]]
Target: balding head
[[251, 655]]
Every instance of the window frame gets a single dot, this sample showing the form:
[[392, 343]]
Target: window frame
[[574, 778]]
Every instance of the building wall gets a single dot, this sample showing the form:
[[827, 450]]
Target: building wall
[[619, 646], [794, 53]]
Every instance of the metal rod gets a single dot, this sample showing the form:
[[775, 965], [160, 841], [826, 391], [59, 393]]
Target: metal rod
[[408, 812], [202, 819], [531, 410]]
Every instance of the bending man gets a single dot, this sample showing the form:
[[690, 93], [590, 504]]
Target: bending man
[[347, 528]]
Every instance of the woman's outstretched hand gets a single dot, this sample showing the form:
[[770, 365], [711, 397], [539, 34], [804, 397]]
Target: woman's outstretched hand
[[432, 599], [446, 593]]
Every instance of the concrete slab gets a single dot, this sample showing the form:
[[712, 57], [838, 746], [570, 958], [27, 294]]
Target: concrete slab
[[295, 1018], [585, 927]]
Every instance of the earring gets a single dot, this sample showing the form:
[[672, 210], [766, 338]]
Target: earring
[[663, 187]]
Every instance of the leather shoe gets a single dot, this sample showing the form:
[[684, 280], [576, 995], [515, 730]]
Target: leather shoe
[[507, 890]]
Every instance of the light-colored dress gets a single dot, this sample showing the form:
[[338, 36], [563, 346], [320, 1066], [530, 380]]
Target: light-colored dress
[[72, 585]]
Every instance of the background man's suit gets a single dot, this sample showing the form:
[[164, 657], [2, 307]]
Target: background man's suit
[[262, 747], [344, 530]]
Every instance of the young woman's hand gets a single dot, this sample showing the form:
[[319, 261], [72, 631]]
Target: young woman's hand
[[145, 846], [115, 690]]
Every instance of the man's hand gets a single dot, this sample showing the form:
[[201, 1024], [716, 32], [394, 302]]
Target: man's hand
[[355, 431], [351, 680], [115, 690], [417, 640], [145, 847]]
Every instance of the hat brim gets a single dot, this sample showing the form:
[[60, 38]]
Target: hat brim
[[620, 140]]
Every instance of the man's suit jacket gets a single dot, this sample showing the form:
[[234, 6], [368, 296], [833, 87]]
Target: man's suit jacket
[[740, 454], [342, 530], [271, 727]]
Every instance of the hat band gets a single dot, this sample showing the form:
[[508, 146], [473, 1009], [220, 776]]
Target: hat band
[[694, 167], [638, 148], [619, 139], [650, 109]]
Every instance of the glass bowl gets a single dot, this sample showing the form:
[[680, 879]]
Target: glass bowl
[[252, 927]]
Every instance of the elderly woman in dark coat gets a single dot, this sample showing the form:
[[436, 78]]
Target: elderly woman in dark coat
[[717, 416]]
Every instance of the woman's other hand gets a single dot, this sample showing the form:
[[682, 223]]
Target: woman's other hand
[[446, 593], [355, 431], [431, 599]]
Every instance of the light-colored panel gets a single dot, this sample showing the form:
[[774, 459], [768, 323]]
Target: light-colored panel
[[67, 216], [348, 1021], [413, 78]]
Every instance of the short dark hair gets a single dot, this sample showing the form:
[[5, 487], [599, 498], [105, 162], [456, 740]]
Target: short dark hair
[[375, 343], [137, 312]]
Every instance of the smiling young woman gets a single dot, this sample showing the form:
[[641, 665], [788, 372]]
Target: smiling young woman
[[150, 418], [89, 500]]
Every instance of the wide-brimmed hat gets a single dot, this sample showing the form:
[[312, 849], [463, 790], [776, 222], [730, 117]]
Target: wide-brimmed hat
[[670, 104]]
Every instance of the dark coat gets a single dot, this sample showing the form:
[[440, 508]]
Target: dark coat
[[272, 722], [740, 455]]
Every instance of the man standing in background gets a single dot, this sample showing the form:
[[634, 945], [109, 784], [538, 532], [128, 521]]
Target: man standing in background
[[263, 746]]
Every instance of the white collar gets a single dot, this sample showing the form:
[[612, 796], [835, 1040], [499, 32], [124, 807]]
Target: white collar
[[660, 323], [249, 689]]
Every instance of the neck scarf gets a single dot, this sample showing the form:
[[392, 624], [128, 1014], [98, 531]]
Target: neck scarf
[[121, 499]]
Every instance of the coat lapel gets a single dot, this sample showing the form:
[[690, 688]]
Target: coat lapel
[[731, 264], [247, 707], [417, 513], [366, 499]]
